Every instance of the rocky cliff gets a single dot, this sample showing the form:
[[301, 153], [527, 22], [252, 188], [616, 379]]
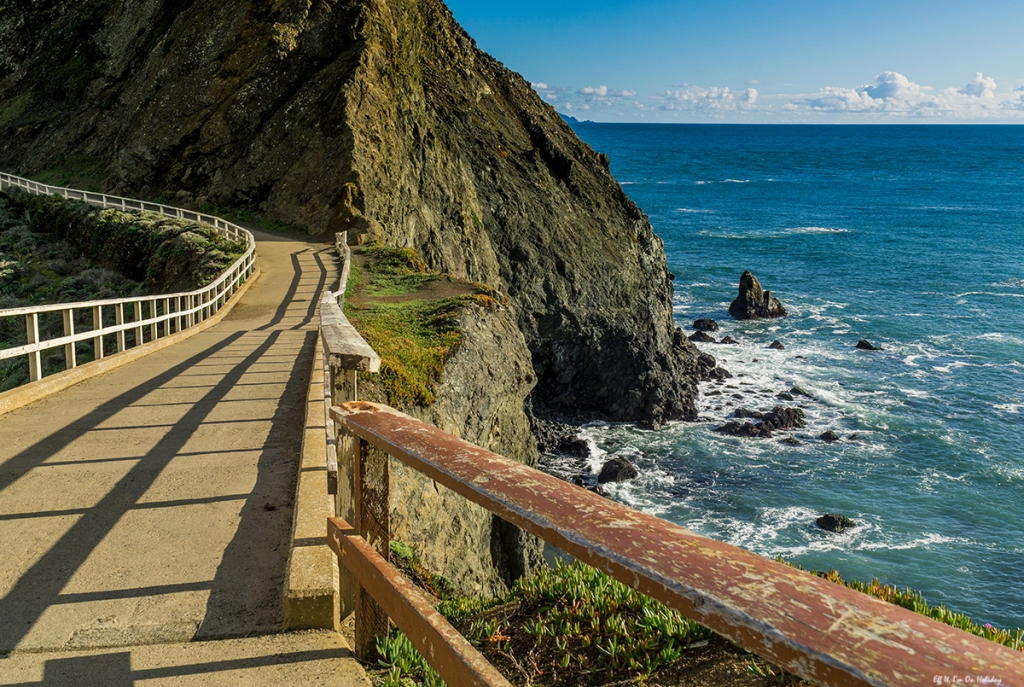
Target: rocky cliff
[[376, 116]]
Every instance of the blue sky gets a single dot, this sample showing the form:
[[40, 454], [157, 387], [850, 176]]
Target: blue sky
[[782, 61]]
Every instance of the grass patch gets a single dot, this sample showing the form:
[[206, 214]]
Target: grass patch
[[414, 331], [413, 339]]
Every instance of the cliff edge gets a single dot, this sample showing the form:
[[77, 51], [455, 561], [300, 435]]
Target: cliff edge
[[379, 117]]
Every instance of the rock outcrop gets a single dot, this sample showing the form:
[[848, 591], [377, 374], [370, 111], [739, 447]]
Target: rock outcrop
[[617, 469], [753, 302], [480, 399], [834, 523], [378, 117]]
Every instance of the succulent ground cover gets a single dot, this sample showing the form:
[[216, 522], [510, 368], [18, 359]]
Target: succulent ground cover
[[573, 625], [409, 315]]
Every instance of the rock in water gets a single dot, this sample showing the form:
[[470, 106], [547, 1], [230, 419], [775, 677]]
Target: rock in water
[[382, 119], [829, 436], [753, 302], [834, 523], [705, 325], [866, 345], [701, 337], [618, 469], [776, 345]]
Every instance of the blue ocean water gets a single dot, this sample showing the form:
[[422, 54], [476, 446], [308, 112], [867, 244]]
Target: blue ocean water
[[909, 236]]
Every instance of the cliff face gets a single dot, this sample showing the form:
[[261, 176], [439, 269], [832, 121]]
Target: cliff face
[[480, 399], [382, 118]]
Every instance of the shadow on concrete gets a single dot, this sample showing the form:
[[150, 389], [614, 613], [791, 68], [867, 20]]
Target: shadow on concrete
[[40, 586], [115, 669], [240, 596]]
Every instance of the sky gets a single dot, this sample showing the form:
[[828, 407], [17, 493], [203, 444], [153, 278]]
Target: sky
[[827, 61]]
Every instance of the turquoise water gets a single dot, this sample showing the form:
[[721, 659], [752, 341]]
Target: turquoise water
[[909, 236]]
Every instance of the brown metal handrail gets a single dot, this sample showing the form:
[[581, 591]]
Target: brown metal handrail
[[826, 633]]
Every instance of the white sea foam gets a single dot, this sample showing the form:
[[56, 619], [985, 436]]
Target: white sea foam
[[915, 393], [816, 230], [1008, 408], [736, 181], [696, 211]]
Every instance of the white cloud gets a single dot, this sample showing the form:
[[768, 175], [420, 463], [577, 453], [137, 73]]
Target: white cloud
[[897, 95], [697, 99], [981, 87], [891, 96], [602, 95], [548, 93]]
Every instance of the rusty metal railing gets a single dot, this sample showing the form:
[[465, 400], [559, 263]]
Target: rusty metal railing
[[826, 633]]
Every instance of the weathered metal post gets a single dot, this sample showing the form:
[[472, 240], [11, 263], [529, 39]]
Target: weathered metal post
[[372, 477]]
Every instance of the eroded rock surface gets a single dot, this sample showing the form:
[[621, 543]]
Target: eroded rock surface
[[753, 302], [380, 118]]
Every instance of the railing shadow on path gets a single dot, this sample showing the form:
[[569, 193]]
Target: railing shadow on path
[[261, 361]]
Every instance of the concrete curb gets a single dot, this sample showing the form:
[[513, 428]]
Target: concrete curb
[[30, 393], [311, 598]]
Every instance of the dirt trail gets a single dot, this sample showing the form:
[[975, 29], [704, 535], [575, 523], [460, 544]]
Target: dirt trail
[[153, 504]]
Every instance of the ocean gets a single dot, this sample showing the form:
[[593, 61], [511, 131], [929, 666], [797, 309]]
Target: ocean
[[909, 236]]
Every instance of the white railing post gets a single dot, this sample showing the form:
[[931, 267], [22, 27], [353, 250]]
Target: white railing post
[[154, 334], [35, 362], [138, 318], [69, 330], [97, 324], [119, 319]]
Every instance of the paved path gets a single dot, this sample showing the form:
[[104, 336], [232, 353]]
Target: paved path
[[153, 504]]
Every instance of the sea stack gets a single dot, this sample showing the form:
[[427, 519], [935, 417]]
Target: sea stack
[[753, 302]]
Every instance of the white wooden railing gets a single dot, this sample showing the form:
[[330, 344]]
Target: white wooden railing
[[159, 315]]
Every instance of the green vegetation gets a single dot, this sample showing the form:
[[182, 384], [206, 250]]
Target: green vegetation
[[574, 625], [566, 625], [413, 328], [59, 251]]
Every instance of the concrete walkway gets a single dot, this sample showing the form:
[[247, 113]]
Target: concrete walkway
[[153, 504]]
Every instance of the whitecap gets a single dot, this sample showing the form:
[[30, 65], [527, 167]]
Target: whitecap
[[736, 181], [695, 211], [816, 230], [914, 393], [1008, 407]]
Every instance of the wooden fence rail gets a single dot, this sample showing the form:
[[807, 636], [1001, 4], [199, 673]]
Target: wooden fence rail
[[148, 317]]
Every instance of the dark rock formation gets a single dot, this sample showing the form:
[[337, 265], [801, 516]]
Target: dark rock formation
[[834, 523], [776, 419], [728, 340], [556, 437], [866, 345], [776, 345], [744, 429], [380, 118], [618, 469], [784, 396], [705, 325], [753, 302], [829, 436], [701, 337], [707, 368], [797, 391]]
